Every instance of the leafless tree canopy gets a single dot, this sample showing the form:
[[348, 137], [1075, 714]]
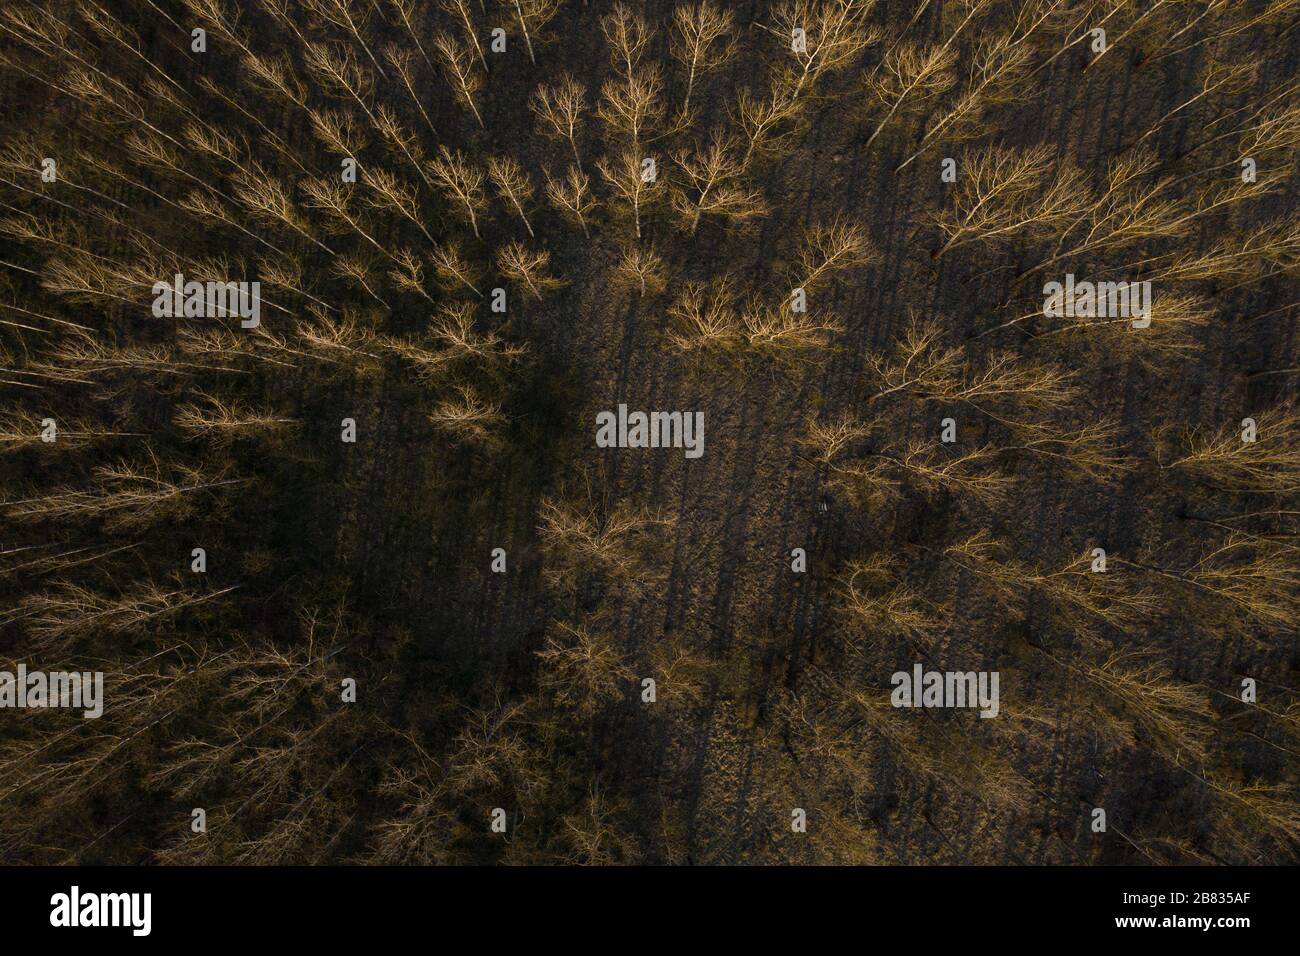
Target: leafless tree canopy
[[988, 324]]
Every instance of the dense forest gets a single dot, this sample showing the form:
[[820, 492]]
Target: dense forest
[[365, 587]]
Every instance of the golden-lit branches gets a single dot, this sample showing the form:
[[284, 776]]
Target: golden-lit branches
[[618, 545], [458, 66], [1005, 194], [908, 78], [512, 184], [461, 181], [711, 184], [822, 36], [1261, 455], [706, 316], [223, 420], [572, 196], [532, 15], [699, 45], [630, 181], [528, 269], [459, 10], [642, 268], [559, 110], [829, 248], [468, 416], [583, 668], [629, 106], [453, 269]]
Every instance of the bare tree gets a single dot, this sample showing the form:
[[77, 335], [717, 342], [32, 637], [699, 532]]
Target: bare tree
[[1175, 319], [698, 29], [643, 268], [875, 601], [1075, 590], [527, 268], [19, 430], [339, 131], [589, 541], [628, 35], [829, 248], [357, 269], [1146, 704], [512, 185], [343, 342], [532, 16], [1152, 9], [879, 473], [594, 833], [760, 117], [1166, 40], [706, 316], [223, 420], [401, 60], [408, 274], [684, 674], [458, 64], [907, 78], [392, 194], [335, 201], [1004, 193], [999, 62], [1248, 806], [123, 496], [572, 196], [453, 269], [459, 10], [338, 69], [711, 188], [630, 183], [1259, 457], [339, 13], [583, 668], [1127, 209], [69, 612], [409, 14], [453, 329], [1255, 576], [822, 35], [270, 202], [785, 334], [462, 182], [559, 110], [1023, 396], [1219, 78], [629, 106], [468, 416]]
